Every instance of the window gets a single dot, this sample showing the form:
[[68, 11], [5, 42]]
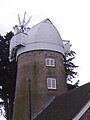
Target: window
[[51, 83], [50, 62]]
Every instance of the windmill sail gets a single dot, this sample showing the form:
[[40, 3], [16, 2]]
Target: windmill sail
[[24, 18], [19, 20], [27, 21]]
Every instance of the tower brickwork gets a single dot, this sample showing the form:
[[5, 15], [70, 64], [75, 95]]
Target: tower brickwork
[[32, 65]]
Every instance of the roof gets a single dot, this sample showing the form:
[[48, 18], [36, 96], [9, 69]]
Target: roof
[[43, 36], [67, 105]]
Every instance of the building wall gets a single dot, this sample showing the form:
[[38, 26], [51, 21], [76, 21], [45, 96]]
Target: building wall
[[32, 66], [86, 115]]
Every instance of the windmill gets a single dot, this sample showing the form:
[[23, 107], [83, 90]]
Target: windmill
[[22, 24]]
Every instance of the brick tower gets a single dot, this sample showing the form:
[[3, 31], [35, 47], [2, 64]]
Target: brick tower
[[40, 73]]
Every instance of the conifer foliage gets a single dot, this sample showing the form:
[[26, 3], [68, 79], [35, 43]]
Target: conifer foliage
[[70, 66], [7, 76]]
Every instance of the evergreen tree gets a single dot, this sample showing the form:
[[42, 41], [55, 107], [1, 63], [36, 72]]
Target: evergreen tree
[[70, 66], [7, 75]]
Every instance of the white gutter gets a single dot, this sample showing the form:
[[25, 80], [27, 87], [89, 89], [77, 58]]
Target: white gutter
[[84, 109]]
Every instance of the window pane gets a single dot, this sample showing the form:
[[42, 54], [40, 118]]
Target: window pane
[[53, 83], [49, 83], [52, 62], [47, 62]]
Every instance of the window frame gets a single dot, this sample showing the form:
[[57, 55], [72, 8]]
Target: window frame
[[50, 62], [51, 83]]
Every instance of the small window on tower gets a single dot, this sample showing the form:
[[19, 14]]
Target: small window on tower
[[51, 83], [50, 62]]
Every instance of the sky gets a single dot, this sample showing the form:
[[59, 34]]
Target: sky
[[71, 18]]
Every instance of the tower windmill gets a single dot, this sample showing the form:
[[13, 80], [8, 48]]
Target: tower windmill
[[40, 55]]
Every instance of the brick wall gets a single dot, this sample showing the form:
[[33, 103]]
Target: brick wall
[[32, 65]]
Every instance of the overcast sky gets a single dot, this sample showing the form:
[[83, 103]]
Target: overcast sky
[[71, 18]]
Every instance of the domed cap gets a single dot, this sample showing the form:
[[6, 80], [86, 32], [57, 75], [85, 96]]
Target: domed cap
[[43, 36]]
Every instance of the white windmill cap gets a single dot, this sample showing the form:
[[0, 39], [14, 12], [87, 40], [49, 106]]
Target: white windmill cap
[[43, 36]]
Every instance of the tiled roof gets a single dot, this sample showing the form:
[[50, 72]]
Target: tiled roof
[[67, 105]]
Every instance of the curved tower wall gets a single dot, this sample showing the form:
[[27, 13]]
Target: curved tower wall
[[32, 66], [32, 72]]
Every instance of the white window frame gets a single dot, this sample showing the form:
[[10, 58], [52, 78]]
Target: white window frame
[[51, 83], [50, 62]]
